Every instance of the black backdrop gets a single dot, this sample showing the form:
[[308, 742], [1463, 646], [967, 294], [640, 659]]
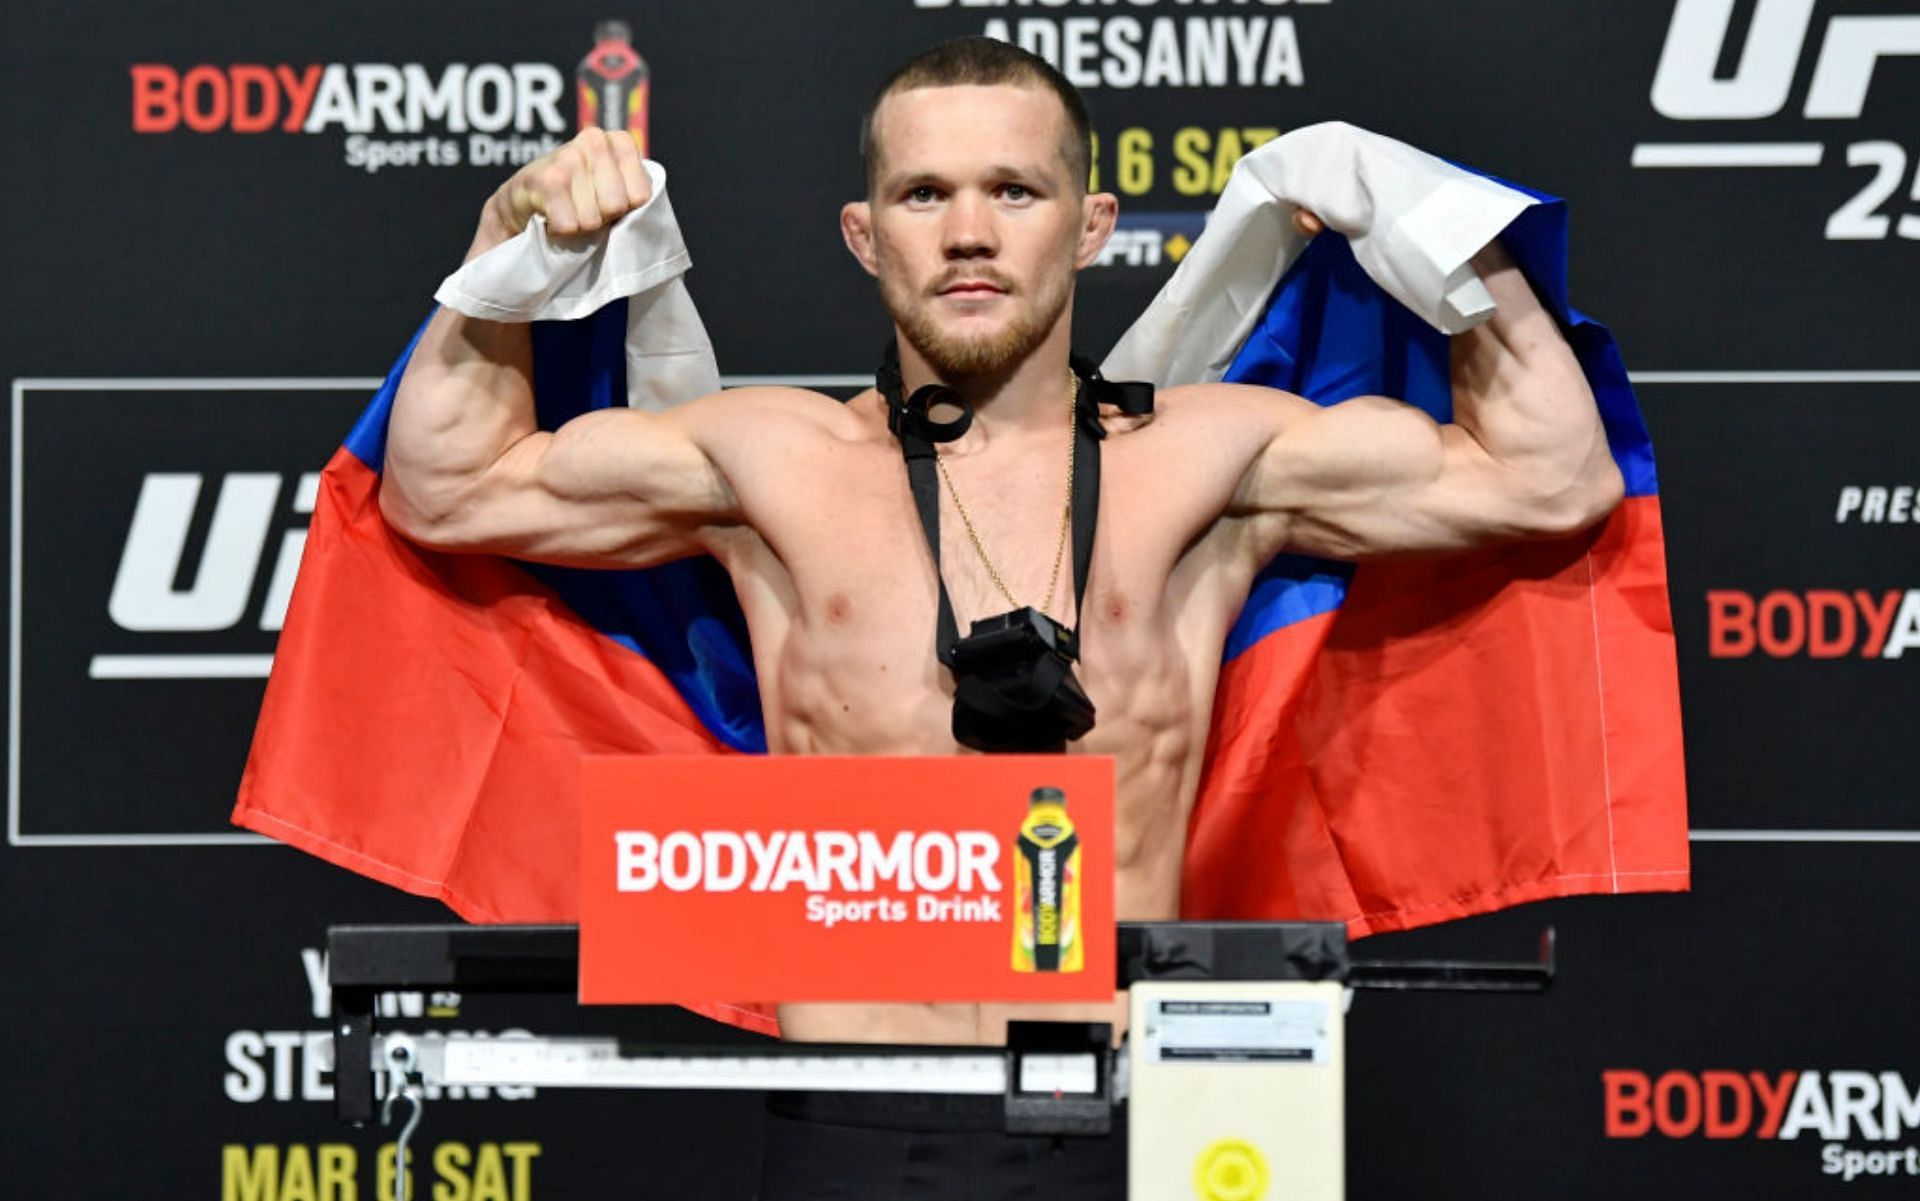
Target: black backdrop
[[191, 317]]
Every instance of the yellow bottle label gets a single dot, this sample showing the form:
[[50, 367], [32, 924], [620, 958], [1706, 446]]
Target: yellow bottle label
[[1046, 874]]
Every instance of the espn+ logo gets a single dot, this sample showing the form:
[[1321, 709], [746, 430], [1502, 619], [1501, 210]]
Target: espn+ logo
[[1835, 1107]]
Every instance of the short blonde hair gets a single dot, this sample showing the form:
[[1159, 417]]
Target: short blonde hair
[[984, 61]]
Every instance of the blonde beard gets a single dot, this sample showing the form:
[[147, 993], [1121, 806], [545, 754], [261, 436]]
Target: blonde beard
[[981, 357]]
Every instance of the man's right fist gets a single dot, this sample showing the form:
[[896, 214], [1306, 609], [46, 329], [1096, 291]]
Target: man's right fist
[[591, 182]]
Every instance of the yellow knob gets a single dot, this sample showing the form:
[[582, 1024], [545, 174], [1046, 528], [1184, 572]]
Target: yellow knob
[[1230, 1170]]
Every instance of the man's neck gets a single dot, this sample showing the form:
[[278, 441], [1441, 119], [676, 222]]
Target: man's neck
[[1031, 394]]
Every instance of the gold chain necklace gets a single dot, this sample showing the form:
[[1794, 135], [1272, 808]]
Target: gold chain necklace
[[1066, 510]]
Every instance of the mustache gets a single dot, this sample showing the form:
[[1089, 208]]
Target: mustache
[[984, 275]]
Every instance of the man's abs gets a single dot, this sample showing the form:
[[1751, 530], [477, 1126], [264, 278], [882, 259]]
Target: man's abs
[[839, 592]]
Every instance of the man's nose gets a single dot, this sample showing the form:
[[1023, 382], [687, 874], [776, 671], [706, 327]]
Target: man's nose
[[969, 229]]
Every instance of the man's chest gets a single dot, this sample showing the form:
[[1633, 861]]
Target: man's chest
[[841, 591], [851, 551]]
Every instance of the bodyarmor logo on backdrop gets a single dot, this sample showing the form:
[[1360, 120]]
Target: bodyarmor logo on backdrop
[[392, 114], [1816, 623], [160, 528], [1825, 623], [403, 114], [1839, 1108], [1839, 54]]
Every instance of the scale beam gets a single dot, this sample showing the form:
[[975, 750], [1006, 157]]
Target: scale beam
[[1056, 1077]]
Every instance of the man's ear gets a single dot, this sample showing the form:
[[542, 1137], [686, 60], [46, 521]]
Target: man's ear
[[1100, 210], [856, 226]]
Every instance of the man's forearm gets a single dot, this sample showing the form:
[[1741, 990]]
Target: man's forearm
[[1519, 392], [466, 398]]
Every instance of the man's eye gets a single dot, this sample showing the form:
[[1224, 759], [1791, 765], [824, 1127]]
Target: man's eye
[[1014, 191], [922, 195]]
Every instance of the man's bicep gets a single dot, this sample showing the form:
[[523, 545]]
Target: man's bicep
[[616, 487], [1372, 476], [636, 486]]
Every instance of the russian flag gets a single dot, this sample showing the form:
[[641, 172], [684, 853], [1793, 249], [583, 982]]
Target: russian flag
[[1408, 741], [1392, 745]]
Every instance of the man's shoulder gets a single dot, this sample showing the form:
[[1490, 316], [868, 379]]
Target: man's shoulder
[[778, 419], [1189, 396], [771, 409], [1201, 409]]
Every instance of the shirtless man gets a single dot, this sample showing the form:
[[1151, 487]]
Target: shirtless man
[[976, 221]]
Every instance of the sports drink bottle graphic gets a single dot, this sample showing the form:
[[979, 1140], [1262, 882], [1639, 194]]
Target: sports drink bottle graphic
[[1046, 888], [612, 83]]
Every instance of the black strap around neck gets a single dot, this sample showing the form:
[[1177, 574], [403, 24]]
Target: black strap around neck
[[909, 419]]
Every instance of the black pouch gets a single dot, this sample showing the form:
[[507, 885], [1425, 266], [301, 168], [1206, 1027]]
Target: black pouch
[[1014, 687]]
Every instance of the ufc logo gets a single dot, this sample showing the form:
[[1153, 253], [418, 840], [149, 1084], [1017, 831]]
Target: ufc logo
[[1686, 89], [147, 594]]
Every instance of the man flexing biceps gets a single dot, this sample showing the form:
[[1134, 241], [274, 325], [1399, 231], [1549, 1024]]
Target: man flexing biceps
[[977, 219]]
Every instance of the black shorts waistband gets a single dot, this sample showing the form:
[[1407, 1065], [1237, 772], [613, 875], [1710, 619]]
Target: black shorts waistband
[[892, 1111], [919, 1112]]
